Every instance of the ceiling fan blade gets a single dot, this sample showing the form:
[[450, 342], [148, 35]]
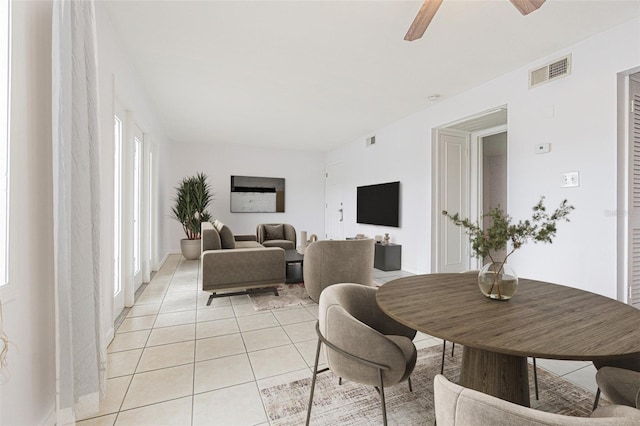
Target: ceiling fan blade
[[423, 19], [527, 6]]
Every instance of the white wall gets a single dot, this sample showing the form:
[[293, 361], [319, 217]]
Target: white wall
[[583, 136], [303, 172], [28, 396]]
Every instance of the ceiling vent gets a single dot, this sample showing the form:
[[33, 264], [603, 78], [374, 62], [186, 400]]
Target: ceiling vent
[[371, 141], [550, 71]]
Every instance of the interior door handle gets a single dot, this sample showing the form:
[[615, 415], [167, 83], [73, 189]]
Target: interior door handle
[[341, 214]]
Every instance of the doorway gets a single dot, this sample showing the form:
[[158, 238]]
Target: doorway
[[470, 178], [334, 206], [494, 177]]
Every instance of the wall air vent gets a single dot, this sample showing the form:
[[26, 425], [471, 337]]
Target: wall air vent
[[550, 71], [371, 141]]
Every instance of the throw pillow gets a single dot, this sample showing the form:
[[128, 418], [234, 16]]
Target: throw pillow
[[274, 232], [227, 240]]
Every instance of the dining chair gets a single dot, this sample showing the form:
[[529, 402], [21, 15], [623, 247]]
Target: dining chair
[[457, 405], [628, 364], [362, 343], [619, 385]]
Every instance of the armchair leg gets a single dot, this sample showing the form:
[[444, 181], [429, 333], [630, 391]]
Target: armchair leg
[[339, 381], [313, 381], [410, 386], [597, 400], [384, 406]]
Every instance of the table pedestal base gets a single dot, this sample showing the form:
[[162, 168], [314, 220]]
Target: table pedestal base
[[500, 375]]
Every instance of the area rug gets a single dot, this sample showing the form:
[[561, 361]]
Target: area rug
[[355, 404], [290, 295]]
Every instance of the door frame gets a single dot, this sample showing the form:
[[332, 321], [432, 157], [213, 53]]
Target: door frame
[[119, 298], [474, 164]]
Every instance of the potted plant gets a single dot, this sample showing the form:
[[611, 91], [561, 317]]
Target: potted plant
[[496, 279], [193, 196]]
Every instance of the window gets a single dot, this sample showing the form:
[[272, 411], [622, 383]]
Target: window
[[5, 63]]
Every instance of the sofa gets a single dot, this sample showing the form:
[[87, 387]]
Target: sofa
[[277, 235], [456, 405], [235, 264]]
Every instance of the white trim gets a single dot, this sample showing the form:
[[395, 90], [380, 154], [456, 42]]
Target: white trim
[[50, 418], [111, 334]]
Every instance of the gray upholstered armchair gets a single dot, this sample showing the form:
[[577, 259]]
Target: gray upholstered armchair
[[340, 261], [277, 235], [363, 344], [619, 385], [630, 363], [456, 405]]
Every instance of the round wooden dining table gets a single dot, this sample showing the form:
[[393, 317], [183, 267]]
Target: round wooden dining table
[[542, 320]]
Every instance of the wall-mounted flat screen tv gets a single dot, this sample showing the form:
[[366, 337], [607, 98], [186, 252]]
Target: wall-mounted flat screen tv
[[379, 204]]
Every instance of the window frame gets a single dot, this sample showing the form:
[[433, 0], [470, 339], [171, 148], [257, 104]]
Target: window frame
[[6, 290]]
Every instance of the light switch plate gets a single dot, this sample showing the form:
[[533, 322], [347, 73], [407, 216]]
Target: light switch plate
[[570, 180]]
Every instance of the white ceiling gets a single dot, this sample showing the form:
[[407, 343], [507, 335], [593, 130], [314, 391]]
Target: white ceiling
[[317, 74]]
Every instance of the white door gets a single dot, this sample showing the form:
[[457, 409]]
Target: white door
[[138, 138], [452, 176], [118, 288], [334, 206], [634, 193]]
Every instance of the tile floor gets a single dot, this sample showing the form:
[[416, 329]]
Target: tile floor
[[176, 361]]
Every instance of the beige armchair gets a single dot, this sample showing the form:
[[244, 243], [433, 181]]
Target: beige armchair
[[340, 261], [630, 363], [363, 344], [456, 405], [277, 235], [619, 385]]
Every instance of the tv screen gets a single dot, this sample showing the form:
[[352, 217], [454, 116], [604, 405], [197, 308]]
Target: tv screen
[[379, 204]]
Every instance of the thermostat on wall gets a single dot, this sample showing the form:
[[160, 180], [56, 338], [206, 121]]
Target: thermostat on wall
[[543, 148]]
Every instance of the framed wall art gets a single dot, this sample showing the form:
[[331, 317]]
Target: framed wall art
[[257, 194]]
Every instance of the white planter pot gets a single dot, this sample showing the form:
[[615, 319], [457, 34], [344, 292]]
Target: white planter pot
[[190, 249]]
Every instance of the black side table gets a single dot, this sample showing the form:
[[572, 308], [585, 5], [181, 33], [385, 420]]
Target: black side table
[[293, 261], [388, 257]]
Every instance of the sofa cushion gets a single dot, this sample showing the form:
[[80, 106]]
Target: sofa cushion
[[285, 244], [226, 238], [248, 244], [274, 232]]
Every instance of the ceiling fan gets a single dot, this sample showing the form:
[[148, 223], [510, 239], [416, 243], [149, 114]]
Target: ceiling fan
[[430, 7]]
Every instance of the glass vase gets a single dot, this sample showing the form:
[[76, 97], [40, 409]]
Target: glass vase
[[498, 281]]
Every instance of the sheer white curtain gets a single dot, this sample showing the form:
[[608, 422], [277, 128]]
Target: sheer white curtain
[[80, 353]]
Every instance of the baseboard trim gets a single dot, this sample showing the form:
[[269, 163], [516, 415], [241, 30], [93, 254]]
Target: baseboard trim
[[110, 335], [50, 418], [166, 256]]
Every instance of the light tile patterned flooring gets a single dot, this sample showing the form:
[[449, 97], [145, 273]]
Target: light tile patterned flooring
[[176, 361]]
